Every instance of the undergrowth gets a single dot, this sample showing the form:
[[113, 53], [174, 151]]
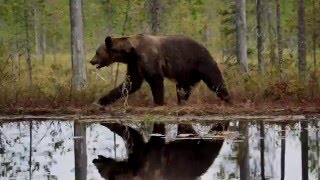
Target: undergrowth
[[52, 86]]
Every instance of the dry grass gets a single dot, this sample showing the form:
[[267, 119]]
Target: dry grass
[[52, 88]]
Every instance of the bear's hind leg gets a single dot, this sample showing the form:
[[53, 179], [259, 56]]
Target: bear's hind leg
[[157, 88], [183, 93]]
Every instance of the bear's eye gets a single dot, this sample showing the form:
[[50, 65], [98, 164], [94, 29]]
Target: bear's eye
[[97, 53]]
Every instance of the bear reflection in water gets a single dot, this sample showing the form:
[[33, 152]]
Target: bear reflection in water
[[156, 159]]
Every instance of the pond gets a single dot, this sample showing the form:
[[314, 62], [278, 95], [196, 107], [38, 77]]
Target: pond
[[255, 148]]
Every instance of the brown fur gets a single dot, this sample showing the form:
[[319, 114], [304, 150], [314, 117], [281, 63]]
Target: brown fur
[[152, 58]]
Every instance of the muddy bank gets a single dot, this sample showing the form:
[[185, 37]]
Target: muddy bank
[[184, 119], [173, 110]]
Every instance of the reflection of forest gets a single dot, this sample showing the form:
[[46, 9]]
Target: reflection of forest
[[53, 150]]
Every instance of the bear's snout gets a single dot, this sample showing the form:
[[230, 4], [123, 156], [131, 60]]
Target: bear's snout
[[93, 61]]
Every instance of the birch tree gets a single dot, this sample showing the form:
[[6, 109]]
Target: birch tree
[[40, 29], [241, 39], [79, 75]]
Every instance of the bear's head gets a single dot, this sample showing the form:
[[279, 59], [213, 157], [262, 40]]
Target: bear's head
[[110, 169], [113, 50], [104, 165]]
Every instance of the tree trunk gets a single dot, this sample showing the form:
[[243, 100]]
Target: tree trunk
[[79, 75], [243, 156], [259, 35], [155, 11], [279, 38], [304, 150], [123, 33], [314, 35], [80, 150], [54, 50], [16, 43], [205, 33], [19, 65], [36, 32], [109, 30], [241, 39], [269, 15], [301, 40], [317, 147], [43, 43], [2, 147], [283, 150], [43, 31], [28, 49], [30, 150], [262, 136], [12, 56]]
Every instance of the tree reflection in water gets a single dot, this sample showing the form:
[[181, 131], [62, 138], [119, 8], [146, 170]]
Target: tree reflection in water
[[52, 147]]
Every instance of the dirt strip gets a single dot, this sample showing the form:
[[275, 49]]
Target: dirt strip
[[164, 119]]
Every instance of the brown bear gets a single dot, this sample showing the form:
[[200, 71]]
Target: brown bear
[[152, 58]]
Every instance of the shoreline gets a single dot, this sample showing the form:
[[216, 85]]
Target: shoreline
[[171, 110]]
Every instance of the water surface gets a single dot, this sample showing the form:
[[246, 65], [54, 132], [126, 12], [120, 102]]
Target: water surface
[[247, 149]]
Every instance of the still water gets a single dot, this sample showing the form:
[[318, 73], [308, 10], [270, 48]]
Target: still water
[[218, 150]]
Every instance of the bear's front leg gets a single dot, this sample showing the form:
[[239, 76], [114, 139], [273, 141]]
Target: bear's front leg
[[110, 98], [132, 85]]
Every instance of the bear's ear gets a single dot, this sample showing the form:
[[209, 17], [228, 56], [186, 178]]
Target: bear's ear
[[108, 42], [119, 44]]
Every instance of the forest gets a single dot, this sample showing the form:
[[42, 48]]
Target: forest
[[52, 128], [267, 51]]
